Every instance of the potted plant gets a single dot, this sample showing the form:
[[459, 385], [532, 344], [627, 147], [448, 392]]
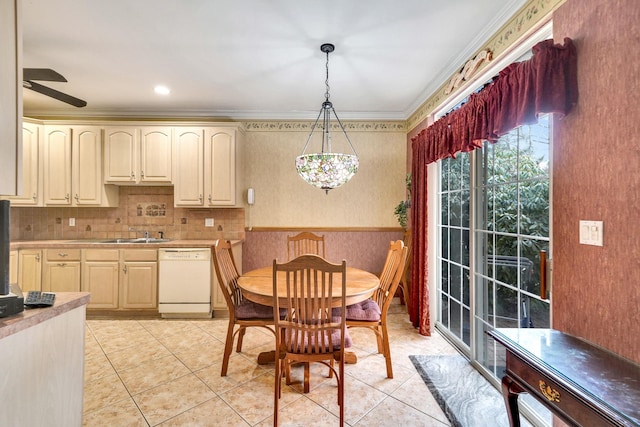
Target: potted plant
[[401, 210]]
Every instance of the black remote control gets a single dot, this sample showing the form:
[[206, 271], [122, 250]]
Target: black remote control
[[39, 299]]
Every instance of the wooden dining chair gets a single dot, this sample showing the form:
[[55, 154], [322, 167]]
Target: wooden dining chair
[[372, 313], [305, 243], [310, 332], [242, 312]]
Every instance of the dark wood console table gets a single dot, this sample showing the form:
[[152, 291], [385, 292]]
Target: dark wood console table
[[581, 383]]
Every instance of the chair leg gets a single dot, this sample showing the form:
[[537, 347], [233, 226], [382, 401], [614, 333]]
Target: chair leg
[[379, 339], [306, 377], [341, 390], [405, 294], [276, 392], [240, 336], [387, 349], [228, 346]]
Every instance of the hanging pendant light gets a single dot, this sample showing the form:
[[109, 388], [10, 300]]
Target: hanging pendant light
[[326, 169]]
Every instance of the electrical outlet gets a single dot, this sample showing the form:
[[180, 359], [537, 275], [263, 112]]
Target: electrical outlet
[[208, 222], [72, 222]]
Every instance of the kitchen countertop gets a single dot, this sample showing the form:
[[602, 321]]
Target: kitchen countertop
[[97, 243], [65, 301]]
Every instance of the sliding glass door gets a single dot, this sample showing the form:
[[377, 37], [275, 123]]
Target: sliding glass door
[[494, 223], [511, 228]]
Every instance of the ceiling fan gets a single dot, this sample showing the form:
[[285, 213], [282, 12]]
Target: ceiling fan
[[49, 75]]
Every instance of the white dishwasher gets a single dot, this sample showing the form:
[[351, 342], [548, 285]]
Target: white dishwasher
[[184, 282]]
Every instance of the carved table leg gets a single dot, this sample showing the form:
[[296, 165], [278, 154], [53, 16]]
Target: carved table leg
[[510, 393]]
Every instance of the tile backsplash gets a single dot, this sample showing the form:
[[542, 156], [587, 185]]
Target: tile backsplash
[[145, 208]]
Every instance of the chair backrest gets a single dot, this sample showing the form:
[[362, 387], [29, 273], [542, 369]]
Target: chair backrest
[[391, 274], [311, 283], [226, 272], [305, 243]]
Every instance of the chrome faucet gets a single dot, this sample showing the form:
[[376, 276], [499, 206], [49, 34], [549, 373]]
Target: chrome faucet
[[145, 233]]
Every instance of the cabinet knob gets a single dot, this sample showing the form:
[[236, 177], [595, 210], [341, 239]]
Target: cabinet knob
[[142, 174], [34, 197], [133, 176], [210, 199], [38, 258], [76, 197], [124, 269], [62, 254], [200, 198], [62, 264], [67, 197]]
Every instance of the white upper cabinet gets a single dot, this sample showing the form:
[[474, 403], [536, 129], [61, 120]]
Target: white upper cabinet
[[188, 160], [137, 155], [57, 165], [155, 154], [30, 193], [205, 167], [72, 171], [220, 167]]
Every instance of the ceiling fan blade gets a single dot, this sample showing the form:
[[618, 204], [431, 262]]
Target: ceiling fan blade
[[43, 74], [55, 94]]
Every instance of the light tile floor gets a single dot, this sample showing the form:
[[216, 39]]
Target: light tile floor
[[167, 373]]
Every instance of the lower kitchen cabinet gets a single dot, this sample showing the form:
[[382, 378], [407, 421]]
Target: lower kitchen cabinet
[[121, 278], [139, 278], [100, 269], [61, 270], [13, 267], [30, 270]]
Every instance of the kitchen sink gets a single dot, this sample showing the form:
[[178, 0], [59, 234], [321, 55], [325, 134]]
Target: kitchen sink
[[136, 240]]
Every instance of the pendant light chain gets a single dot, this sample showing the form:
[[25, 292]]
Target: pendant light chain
[[326, 80]]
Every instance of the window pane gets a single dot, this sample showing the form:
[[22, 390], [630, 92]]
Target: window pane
[[456, 281], [506, 208]]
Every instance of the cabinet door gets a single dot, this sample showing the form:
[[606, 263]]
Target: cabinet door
[[30, 269], [61, 276], [13, 267], [120, 155], [220, 167], [139, 284], [188, 167], [30, 194], [155, 154], [57, 165], [87, 166], [101, 280]]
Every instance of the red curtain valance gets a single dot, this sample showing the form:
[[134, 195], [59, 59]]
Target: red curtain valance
[[546, 83]]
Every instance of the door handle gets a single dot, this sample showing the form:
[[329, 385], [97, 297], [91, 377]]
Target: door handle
[[543, 274]]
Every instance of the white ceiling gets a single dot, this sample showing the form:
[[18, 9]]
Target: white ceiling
[[254, 59]]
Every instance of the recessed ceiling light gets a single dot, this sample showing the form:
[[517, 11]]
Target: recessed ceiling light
[[161, 90]]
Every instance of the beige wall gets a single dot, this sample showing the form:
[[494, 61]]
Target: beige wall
[[283, 199]]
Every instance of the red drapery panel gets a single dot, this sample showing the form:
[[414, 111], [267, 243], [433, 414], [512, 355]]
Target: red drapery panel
[[546, 83]]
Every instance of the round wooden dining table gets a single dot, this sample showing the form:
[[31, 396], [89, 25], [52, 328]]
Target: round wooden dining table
[[257, 286]]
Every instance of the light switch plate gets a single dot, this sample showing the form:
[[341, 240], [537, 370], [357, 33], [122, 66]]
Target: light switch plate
[[591, 233], [72, 222], [208, 222]]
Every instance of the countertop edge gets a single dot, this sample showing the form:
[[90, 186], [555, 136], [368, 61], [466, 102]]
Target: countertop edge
[[65, 302], [92, 244]]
